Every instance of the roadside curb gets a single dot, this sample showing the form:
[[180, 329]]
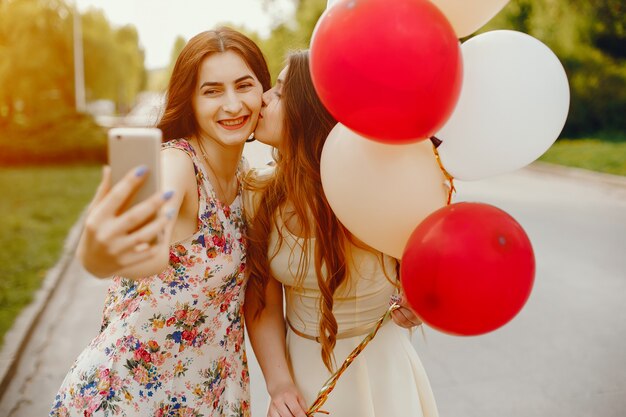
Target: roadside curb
[[20, 333], [578, 173]]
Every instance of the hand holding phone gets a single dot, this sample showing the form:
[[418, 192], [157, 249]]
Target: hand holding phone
[[121, 236]]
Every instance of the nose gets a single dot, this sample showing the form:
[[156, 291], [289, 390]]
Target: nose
[[266, 98], [233, 103]]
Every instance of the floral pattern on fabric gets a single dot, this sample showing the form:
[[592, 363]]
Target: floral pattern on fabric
[[172, 344]]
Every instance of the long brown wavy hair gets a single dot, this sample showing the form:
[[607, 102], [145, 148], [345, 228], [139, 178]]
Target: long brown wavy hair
[[297, 180], [178, 119]]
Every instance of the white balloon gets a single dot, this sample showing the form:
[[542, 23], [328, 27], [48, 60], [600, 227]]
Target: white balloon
[[330, 3], [467, 16], [380, 192], [513, 106]]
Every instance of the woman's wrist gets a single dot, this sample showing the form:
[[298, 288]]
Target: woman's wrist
[[278, 384]]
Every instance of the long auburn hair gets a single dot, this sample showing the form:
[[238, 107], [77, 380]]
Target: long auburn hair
[[297, 180], [178, 119]]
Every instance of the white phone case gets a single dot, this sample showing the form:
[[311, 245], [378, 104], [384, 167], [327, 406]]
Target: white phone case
[[129, 148]]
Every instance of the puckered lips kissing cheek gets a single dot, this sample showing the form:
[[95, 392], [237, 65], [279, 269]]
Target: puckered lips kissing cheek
[[234, 123]]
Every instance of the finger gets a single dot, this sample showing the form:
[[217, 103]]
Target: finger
[[272, 412], [102, 190], [410, 316], [103, 187], [406, 318], [402, 320], [302, 404], [295, 408], [399, 319], [141, 239], [133, 257], [121, 192], [283, 410], [141, 213]]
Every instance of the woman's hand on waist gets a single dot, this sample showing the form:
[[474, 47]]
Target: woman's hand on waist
[[404, 316]]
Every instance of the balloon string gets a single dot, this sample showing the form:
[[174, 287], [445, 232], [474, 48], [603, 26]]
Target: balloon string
[[451, 189], [329, 385]]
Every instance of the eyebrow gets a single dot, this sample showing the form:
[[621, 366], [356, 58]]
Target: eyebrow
[[238, 80]]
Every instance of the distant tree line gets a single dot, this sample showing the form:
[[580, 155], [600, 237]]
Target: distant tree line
[[38, 119]]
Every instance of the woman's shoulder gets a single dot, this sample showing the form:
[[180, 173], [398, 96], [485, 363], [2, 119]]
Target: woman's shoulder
[[178, 152], [177, 165], [256, 180]]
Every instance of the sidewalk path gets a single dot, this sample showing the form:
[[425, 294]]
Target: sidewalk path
[[563, 356]]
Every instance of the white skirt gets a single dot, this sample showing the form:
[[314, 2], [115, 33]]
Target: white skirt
[[387, 379]]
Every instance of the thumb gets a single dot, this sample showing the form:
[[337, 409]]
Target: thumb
[[103, 187]]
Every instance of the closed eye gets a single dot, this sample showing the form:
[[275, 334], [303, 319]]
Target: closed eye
[[210, 92], [245, 86]]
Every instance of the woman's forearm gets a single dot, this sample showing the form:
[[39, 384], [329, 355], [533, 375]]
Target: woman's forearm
[[267, 336]]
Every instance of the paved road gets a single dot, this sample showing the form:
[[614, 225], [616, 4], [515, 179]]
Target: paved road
[[564, 355]]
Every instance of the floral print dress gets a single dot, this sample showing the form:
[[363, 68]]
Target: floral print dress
[[172, 344]]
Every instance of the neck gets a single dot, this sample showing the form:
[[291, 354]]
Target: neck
[[224, 160]]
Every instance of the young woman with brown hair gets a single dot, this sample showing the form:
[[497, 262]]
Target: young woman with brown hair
[[172, 334], [335, 287]]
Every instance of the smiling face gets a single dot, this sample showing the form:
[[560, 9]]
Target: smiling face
[[270, 127], [227, 99]]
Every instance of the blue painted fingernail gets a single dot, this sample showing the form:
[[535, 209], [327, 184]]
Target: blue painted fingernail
[[139, 172], [167, 195], [170, 213]]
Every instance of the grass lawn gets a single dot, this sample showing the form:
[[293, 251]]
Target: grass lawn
[[38, 207], [592, 154]]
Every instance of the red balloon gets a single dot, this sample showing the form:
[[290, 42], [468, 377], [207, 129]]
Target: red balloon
[[389, 70], [468, 269]]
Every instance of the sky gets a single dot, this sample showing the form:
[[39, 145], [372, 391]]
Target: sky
[[159, 22]]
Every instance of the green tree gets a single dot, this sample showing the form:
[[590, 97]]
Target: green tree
[[131, 73], [589, 37], [102, 68], [608, 26], [114, 62], [38, 120], [178, 46], [35, 43], [158, 78], [290, 34]]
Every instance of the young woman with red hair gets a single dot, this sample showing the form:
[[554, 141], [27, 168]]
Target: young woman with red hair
[[335, 287], [172, 334]]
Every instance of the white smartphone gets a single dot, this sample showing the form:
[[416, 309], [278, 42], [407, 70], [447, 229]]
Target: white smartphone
[[130, 147]]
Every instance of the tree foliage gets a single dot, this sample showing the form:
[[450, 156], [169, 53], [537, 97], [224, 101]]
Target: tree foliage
[[37, 61], [38, 119], [291, 34], [588, 36]]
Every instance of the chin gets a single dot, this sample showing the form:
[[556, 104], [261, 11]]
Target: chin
[[261, 138], [234, 140], [273, 143]]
